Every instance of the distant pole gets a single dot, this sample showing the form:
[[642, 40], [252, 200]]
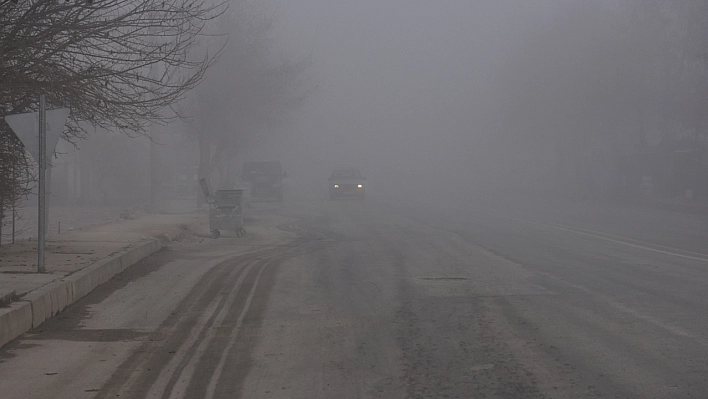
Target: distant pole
[[153, 170], [13, 218], [14, 200], [47, 187], [41, 231]]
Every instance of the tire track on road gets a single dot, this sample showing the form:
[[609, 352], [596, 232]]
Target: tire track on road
[[176, 386], [178, 334], [190, 351]]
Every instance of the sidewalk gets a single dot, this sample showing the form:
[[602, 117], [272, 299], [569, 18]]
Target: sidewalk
[[77, 262]]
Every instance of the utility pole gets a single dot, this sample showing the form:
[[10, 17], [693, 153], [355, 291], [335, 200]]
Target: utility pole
[[42, 183], [14, 201], [154, 179], [154, 162]]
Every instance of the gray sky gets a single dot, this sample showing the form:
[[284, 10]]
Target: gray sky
[[412, 90], [399, 81]]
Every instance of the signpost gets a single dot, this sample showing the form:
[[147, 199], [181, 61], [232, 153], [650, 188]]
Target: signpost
[[40, 133]]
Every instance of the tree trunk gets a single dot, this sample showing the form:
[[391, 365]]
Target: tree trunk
[[204, 160]]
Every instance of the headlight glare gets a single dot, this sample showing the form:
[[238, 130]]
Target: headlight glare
[[360, 185], [336, 186]]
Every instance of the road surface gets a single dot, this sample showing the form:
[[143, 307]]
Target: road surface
[[352, 299]]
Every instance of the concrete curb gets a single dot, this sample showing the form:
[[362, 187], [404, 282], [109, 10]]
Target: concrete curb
[[39, 305]]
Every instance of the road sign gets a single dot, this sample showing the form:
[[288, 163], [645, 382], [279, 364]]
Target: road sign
[[40, 132], [26, 127]]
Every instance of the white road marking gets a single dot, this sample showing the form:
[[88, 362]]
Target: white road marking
[[630, 242]]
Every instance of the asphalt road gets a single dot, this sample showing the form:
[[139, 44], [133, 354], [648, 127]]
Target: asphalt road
[[352, 299]]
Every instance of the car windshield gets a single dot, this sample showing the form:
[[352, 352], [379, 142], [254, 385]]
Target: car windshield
[[346, 174]]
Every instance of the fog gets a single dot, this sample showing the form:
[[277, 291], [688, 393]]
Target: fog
[[456, 99], [401, 88], [355, 198], [486, 96]]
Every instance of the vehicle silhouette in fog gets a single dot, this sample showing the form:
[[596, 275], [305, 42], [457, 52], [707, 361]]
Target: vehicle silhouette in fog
[[346, 183], [265, 179]]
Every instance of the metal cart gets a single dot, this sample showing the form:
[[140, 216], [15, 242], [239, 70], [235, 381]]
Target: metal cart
[[225, 211]]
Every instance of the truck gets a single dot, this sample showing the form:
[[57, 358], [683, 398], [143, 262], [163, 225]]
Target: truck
[[265, 179]]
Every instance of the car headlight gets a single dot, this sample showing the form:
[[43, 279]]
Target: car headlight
[[360, 185], [336, 186]]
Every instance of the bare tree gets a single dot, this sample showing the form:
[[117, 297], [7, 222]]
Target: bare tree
[[16, 177], [250, 88], [118, 64]]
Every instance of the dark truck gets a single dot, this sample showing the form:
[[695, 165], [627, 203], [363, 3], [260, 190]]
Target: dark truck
[[265, 178]]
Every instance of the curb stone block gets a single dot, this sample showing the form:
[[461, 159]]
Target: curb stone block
[[48, 301], [39, 305], [81, 286], [59, 295], [15, 320]]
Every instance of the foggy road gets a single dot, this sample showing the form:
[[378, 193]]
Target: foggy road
[[514, 164], [350, 299]]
